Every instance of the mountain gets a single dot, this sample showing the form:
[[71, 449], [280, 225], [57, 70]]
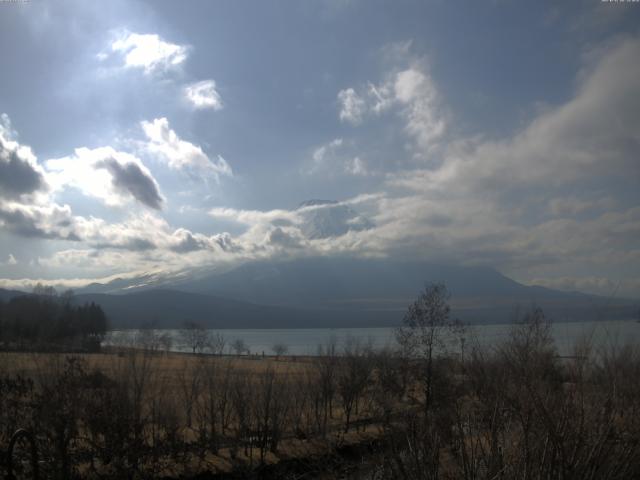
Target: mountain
[[352, 282], [327, 218], [171, 308], [6, 295], [330, 292], [161, 308]]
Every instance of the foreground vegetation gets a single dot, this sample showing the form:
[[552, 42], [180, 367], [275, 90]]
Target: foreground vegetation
[[437, 407]]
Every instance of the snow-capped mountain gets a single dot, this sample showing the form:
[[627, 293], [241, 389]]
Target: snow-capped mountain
[[327, 218]]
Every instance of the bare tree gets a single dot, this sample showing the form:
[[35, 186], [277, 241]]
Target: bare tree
[[280, 349], [425, 331], [216, 343], [191, 384], [326, 369], [194, 336], [239, 346], [271, 406], [166, 341], [353, 377]]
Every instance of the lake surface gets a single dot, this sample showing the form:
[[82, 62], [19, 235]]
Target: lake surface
[[608, 334]]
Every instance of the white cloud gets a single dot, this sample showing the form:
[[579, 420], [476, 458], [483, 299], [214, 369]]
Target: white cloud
[[411, 90], [381, 97], [180, 154], [321, 152], [352, 106], [316, 227], [149, 51], [203, 95], [107, 174], [148, 232], [252, 217], [356, 166], [594, 135], [335, 158], [425, 121], [27, 284]]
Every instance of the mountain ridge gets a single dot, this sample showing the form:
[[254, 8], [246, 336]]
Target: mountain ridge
[[331, 292]]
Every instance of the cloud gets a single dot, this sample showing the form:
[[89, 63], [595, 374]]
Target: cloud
[[554, 196], [20, 173], [132, 177], [594, 135], [415, 96], [203, 95], [131, 244], [324, 156], [356, 166], [320, 152], [149, 52], [27, 284], [335, 158], [145, 232], [286, 238], [180, 154], [107, 174], [572, 206], [183, 240], [352, 106], [251, 217], [425, 120], [311, 221], [559, 194], [34, 221]]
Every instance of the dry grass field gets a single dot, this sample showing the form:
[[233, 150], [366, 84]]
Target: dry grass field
[[257, 399], [172, 364]]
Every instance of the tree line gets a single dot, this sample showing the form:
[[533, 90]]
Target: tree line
[[48, 320]]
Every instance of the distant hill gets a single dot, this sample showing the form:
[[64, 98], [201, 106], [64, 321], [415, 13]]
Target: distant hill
[[368, 283], [6, 295], [323, 292], [170, 308]]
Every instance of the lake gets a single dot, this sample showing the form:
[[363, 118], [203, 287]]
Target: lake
[[305, 341]]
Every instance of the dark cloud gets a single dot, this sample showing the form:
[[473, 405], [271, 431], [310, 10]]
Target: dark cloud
[[33, 224], [132, 178], [188, 242], [17, 176]]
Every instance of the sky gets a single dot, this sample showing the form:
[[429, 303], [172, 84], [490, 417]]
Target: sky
[[161, 137]]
